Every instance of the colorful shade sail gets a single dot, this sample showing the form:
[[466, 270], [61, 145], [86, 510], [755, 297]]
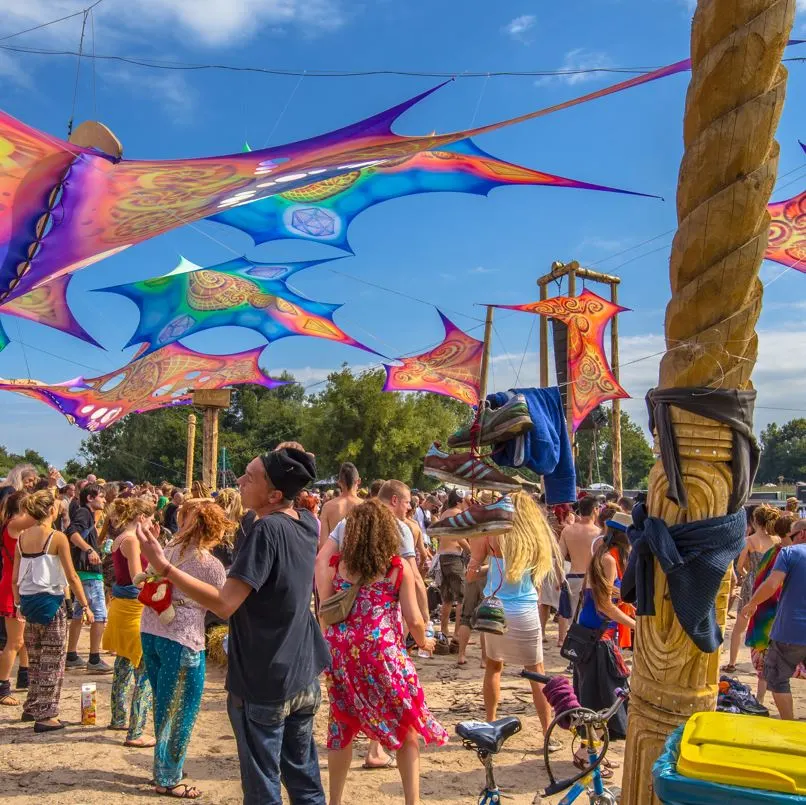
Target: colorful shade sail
[[102, 205], [787, 243], [323, 211], [3, 338], [47, 305], [238, 293], [164, 378], [453, 368], [591, 379]]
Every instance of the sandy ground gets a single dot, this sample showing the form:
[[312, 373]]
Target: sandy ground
[[90, 766]]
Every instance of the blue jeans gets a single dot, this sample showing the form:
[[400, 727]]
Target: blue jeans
[[275, 742]]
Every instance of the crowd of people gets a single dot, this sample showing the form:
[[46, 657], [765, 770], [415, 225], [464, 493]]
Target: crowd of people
[[353, 584]]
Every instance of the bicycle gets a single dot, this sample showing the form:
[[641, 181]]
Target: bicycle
[[486, 739]]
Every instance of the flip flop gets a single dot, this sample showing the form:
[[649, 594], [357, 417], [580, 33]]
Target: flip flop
[[187, 792], [41, 726], [390, 764], [728, 669], [583, 765], [9, 701]]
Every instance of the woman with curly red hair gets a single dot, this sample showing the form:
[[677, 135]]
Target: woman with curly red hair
[[173, 646], [372, 684]]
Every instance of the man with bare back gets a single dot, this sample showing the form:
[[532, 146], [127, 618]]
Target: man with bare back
[[576, 542], [335, 510]]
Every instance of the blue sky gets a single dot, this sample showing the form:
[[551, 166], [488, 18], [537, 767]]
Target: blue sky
[[449, 250]]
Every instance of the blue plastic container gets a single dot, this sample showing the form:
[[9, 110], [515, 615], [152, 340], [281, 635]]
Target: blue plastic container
[[674, 789]]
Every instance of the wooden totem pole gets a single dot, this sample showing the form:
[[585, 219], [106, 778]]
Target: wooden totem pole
[[726, 177]]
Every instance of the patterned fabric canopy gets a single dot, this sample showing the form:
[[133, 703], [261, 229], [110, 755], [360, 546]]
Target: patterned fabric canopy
[[161, 379], [238, 293], [453, 368], [106, 204], [591, 380], [324, 210]]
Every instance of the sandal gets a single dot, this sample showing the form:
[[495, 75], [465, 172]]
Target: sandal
[[583, 765], [728, 669], [186, 792], [9, 701], [43, 726], [391, 763], [555, 745]]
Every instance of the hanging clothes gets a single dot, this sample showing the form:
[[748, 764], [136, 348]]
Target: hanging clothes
[[546, 448]]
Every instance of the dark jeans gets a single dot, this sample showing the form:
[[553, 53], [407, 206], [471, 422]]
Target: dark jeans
[[275, 742]]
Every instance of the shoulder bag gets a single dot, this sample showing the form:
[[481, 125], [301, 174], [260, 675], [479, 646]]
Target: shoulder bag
[[581, 641], [338, 607]]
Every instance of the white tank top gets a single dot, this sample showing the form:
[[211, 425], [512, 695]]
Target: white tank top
[[41, 572]]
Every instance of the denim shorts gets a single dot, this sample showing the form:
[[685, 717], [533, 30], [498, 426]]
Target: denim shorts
[[94, 590]]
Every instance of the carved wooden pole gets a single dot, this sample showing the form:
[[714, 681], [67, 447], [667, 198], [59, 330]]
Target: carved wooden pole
[[726, 177]]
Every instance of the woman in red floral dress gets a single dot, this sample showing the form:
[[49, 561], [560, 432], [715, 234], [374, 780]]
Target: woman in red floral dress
[[373, 685]]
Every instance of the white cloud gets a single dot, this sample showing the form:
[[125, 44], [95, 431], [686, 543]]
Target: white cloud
[[576, 67], [169, 89], [483, 270], [519, 27], [601, 244], [212, 22]]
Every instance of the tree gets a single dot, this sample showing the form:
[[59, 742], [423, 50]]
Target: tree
[[783, 452], [384, 434], [596, 464], [10, 460]]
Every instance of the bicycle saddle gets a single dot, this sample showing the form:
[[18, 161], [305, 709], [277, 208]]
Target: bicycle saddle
[[488, 736]]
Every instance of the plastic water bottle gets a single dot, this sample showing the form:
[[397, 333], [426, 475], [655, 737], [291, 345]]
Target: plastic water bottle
[[429, 633]]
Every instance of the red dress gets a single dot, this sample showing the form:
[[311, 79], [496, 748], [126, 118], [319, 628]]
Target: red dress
[[6, 595], [372, 684]]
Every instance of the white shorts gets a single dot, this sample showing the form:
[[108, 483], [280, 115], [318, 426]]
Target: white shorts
[[522, 645], [550, 592], [575, 586]]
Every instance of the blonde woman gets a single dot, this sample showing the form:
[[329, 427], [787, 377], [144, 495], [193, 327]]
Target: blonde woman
[[519, 561], [42, 569], [122, 633]]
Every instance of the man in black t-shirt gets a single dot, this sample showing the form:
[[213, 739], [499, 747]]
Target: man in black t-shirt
[[276, 650]]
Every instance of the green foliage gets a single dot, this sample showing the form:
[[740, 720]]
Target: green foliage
[[385, 434], [783, 452], [10, 460], [636, 455]]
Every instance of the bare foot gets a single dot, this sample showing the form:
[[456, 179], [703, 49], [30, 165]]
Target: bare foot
[[141, 743]]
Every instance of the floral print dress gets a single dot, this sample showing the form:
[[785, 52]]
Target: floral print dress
[[372, 684]]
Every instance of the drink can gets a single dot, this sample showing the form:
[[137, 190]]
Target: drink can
[[88, 694]]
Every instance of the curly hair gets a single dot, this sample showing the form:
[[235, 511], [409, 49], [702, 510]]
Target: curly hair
[[371, 539], [765, 516], [122, 511], [204, 525]]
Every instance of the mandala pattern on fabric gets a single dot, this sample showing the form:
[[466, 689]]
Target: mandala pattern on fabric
[[238, 293], [323, 211], [590, 376], [159, 380], [73, 206], [453, 368], [787, 243], [47, 305]]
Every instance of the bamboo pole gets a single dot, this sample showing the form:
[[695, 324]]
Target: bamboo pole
[[191, 451], [615, 424], [485, 355], [544, 341], [728, 171]]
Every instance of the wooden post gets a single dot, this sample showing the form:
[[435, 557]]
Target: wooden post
[[211, 401], [485, 355], [191, 451], [615, 425], [544, 341], [569, 396], [734, 102]]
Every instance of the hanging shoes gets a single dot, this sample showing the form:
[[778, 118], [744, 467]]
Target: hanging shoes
[[466, 470]]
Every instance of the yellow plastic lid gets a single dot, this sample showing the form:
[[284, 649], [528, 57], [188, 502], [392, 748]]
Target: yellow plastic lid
[[745, 751]]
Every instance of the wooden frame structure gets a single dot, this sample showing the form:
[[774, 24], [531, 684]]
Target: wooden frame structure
[[211, 401], [573, 270]]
